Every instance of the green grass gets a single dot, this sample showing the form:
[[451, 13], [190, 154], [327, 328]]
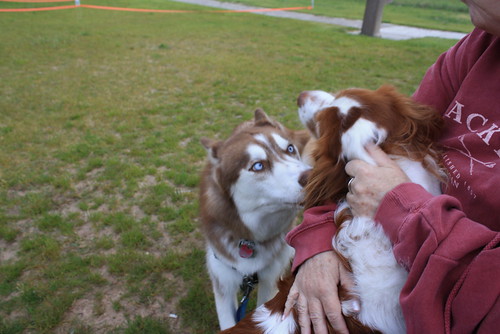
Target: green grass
[[430, 14], [101, 114]]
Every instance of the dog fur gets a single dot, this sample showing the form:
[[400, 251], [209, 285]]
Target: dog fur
[[343, 124], [251, 189]]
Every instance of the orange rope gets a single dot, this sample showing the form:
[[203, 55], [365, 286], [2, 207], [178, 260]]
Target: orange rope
[[36, 9], [260, 10], [138, 9], [190, 11], [32, 1]]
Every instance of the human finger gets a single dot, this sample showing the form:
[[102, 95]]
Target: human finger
[[303, 316], [352, 305], [379, 156], [357, 166], [317, 316], [354, 167], [291, 300], [333, 313], [346, 279]]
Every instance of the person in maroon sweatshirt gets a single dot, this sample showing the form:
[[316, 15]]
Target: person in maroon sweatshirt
[[450, 243]]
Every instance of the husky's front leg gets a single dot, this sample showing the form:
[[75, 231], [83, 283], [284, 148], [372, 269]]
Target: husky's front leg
[[225, 283], [269, 277], [225, 303], [267, 289]]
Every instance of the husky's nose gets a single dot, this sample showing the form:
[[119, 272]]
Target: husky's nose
[[304, 176]]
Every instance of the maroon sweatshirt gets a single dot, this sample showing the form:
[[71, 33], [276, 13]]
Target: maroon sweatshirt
[[448, 243]]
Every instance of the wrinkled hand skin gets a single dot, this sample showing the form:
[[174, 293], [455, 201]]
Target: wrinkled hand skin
[[371, 183], [314, 294]]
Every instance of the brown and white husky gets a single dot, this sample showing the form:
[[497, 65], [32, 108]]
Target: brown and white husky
[[250, 192]]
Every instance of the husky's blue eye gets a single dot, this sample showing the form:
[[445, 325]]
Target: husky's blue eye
[[257, 167], [290, 149]]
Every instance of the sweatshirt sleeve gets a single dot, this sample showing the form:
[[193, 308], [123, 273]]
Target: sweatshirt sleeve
[[453, 262], [314, 235]]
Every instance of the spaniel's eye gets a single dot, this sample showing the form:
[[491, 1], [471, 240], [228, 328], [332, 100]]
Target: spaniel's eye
[[257, 167], [290, 149]]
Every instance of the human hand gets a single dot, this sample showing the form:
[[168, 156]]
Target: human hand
[[314, 294], [371, 183]]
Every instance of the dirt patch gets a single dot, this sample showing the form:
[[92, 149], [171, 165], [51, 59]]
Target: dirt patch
[[8, 251], [84, 310], [109, 308]]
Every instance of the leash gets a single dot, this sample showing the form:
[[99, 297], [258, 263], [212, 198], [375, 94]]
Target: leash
[[247, 285], [249, 282]]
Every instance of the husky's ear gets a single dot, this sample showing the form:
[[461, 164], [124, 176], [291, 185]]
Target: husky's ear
[[310, 103], [212, 147], [261, 119], [260, 115]]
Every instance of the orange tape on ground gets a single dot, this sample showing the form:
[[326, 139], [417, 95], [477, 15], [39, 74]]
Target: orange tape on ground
[[191, 11], [33, 1], [260, 10], [40, 9], [138, 9]]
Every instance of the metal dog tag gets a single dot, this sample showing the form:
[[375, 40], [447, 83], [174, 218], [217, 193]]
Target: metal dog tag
[[247, 248]]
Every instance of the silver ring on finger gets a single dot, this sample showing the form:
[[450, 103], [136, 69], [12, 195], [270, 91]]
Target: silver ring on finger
[[349, 185]]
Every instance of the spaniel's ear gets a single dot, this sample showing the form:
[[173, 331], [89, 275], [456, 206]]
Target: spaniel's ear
[[310, 103]]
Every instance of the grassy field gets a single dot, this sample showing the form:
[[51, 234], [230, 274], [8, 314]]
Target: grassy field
[[101, 113], [430, 14]]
